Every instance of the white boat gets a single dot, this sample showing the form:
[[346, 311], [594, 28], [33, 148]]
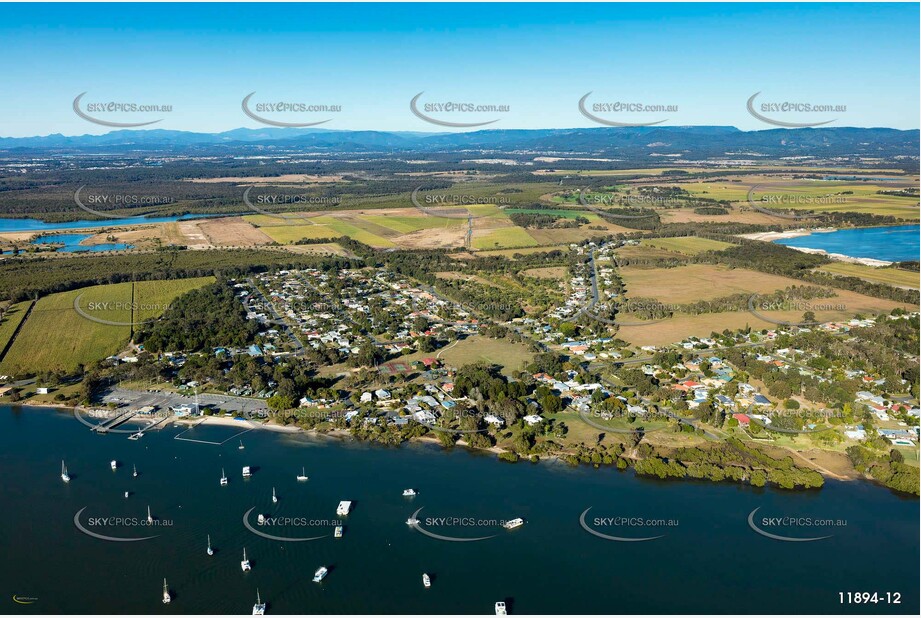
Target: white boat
[[320, 574], [514, 523], [64, 476], [274, 497], [409, 492], [135, 472], [426, 580], [261, 519], [241, 447], [166, 597], [259, 607], [223, 477], [247, 472], [244, 564], [114, 464], [344, 507], [412, 521], [303, 475], [500, 608], [209, 550], [338, 532], [149, 516], [126, 494]]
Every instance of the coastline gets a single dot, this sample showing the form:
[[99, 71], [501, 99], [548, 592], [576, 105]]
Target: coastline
[[838, 257], [344, 434]]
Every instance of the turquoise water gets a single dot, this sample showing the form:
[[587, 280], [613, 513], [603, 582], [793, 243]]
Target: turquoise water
[[72, 244], [36, 225], [711, 562], [893, 244]]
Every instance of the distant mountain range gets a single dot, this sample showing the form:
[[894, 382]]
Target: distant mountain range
[[638, 142]]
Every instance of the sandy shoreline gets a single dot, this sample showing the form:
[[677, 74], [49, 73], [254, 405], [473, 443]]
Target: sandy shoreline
[[838, 257]]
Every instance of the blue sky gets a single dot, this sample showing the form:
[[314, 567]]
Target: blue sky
[[539, 59]]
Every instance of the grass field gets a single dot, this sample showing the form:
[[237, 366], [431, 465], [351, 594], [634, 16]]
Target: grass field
[[686, 284], [11, 321], [502, 238], [820, 196], [891, 276], [345, 228], [293, 233], [690, 245], [58, 338], [408, 224], [511, 356]]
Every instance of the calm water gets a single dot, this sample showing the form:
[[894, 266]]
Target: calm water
[[72, 244], [711, 562], [894, 244], [36, 225]]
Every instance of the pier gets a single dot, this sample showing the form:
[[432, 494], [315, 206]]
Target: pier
[[112, 423]]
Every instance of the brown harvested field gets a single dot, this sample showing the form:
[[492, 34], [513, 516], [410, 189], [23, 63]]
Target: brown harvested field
[[686, 284], [232, 232], [547, 272], [681, 326], [687, 215], [193, 236], [437, 238], [645, 252], [331, 248], [144, 237]]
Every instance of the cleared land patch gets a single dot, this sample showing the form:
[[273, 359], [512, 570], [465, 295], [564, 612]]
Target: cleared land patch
[[891, 276], [57, 338], [690, 245]]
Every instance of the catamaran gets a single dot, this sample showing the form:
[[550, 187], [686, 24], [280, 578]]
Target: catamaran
[[135, 472], [344, 507], [320, 574], [247, 472], [209, 550], [244, 564], [166, 597], [64, 476], [426, 580], [409, 492], [223, 477], [303, 475], [259, 607], [337, 532], [514, 523], [500, 608], [274, 497], [114, 464]]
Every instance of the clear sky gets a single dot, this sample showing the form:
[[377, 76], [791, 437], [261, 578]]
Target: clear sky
[[539, 59]]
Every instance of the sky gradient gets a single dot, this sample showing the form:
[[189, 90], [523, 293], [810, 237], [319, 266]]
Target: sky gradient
[[539, 59]]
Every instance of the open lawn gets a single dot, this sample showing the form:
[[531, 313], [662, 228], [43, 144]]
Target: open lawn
[[292, 233], [690, 245], [891, 276], [58, 338], [511, 356], [506, 237], [686, 284], [11, 320]]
